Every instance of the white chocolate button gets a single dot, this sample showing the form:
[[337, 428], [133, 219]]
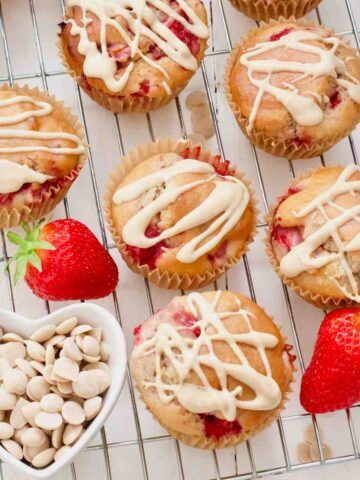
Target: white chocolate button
[[7, 400], [97, 366], [12, 337], [51, 403], [104, 351], [57, 436], [64, 388], [48, 421], [18, 433], [37, 388], [11, 351], [44, 458], [30, 411], [25, 366], [86, 386], [6, 431], [66, 326], [71, 434], [43, 333], [48, 374], [71, 350], [90, 346], [90, 359], [33, 437], [49, 355], [35, 350], [80, 329], [62, 451], [66, 368], [92, 407], [96, 333], [38, 366], [17, 419], [4, 367], [73, 413], [15, 381], [56, 340], [14, 448]]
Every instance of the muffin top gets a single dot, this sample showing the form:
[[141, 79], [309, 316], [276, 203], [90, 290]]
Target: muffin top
[[316, 232], [37, 142], [182, 214], [209, 356], [131, 47], [296, 81]]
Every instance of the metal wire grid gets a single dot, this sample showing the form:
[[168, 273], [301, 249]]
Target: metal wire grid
[[140, 441]]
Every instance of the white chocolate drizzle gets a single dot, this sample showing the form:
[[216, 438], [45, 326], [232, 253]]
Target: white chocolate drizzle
[[301, 257], [305, 110], [224, 206], [13, 176], [43, 109], [142, 20], [187, 354]]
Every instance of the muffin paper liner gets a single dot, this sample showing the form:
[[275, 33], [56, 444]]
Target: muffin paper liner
[[155, 276], [315, 299], [125, 104], [260, 10], [279, 148], [205, 443], [46, 201]]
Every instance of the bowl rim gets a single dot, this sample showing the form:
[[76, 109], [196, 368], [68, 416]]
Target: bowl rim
[[118, 372]]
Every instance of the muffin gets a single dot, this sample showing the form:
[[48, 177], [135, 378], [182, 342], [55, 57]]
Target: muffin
[[294, 88], [145, 58], [314, 232], [212, 368], [41, 153], [267, 9], [179, 215]]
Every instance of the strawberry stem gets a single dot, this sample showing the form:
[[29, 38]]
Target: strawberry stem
[[27, 248]]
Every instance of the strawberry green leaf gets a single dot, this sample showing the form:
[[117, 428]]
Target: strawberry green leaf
[[14, 238], [20, 269], [34, 259], [42, 245]]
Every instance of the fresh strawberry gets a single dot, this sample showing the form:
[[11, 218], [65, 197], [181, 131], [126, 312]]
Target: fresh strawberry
[[63, 260], [332, 380]]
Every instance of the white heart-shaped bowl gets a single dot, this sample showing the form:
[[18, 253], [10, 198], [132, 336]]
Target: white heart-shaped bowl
[[114, 337]]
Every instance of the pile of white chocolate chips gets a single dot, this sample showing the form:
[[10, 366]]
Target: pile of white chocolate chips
[[50, 388]]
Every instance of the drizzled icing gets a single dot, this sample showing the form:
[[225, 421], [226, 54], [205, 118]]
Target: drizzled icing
[[13, 176], [187, 354], [305, 110], [43, 109], [301, 257], [142, 20], [224, 206]]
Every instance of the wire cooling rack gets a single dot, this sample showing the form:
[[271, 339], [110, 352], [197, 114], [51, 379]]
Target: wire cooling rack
[[132, 445]]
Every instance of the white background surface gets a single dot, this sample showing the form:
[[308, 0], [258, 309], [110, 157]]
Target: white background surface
[[109, 137]]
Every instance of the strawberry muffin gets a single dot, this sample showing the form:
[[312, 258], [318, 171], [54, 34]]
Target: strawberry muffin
[[266, 9], [294, 88], [179, 215], [314, 233], [131, 56], [212, 368], [41, 153]]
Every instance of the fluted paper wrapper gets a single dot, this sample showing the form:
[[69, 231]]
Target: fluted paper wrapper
[[314, 298], [50, 198], [205, 443], [166, 279], [264, 11], [123, 104], [279, 148]]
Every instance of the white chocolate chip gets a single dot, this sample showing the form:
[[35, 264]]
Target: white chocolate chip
[[90, 346], [92, 407], [97, 366], [30, 411], [62, 451], [11, 351], [57, 436], [104, 351], [38, 366], [79, 341], [4, 367], [12, 337], [49, 355], [15, 381], [18, 433], [37, 388], [66, 326], [25, 366], [71, 434], [51, 403], [7, 400], [90, 359], [65, 388], [44, 458], [33, 437], [71, 350], [14, 448], [73, 413], [43, 333], [17, 419], [66, 368], [48, 374], [35, 350], [96, 333], [6, 431], [48, 421], [55, 341], [91, 383]]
